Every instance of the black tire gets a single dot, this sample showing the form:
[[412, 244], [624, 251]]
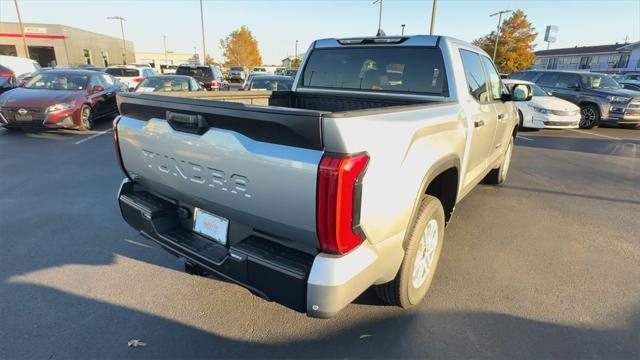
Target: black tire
[[521, 122], [590, 116], [86, 123], [402, 291], [499, 176], [628, 126]]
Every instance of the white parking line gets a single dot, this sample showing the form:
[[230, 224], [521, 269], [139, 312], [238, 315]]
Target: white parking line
[[92, 137], [523, 137], [594, 134]]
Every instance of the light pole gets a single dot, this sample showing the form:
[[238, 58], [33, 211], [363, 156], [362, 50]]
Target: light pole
[[66, 49], [24, 37], [204, 50], [402, 29], [380, 32], [164, 41], [499, 13], [296, 52], [124, 43], [433, 18]]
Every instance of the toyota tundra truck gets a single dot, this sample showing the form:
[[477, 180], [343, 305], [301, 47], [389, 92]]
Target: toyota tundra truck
[[311, 196]]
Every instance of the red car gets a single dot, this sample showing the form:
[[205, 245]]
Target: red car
[[53, 99]]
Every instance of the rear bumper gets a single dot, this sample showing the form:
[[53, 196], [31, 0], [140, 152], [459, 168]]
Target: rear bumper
[[319, 285]]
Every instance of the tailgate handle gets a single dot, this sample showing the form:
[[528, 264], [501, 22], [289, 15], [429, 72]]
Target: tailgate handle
[[195, 124]]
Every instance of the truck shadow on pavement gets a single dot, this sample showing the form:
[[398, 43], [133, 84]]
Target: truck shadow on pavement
[[624, 148], [85, 328]]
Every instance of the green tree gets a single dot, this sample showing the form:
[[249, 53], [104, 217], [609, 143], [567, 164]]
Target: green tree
[[240, 48], [515, 43], [295, 63]]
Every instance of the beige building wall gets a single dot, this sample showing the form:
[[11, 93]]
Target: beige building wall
[[71, 46], [156, 59]]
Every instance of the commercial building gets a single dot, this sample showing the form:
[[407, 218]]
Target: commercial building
[[60, 45], [611, 58], [162, 63]]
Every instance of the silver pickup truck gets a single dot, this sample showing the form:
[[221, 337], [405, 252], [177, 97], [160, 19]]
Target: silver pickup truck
[[343, 183]]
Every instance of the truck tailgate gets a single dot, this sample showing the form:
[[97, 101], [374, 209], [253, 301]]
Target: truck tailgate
[[256, 166]]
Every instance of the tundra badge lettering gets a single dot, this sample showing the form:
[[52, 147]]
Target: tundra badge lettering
[[214, 178]]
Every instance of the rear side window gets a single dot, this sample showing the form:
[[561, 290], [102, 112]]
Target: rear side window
[[417, 70], [565, 80], [123, 72], [548, 79], [197, 72], [476, 78]]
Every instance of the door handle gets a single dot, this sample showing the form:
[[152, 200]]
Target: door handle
[[500, 116], [478, 123]]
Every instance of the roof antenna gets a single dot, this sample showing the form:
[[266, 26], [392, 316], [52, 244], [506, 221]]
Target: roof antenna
[[380, 31]]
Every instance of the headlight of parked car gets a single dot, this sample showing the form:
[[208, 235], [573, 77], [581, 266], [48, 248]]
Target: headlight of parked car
[[618, 99], [540, 110], [61, 106]]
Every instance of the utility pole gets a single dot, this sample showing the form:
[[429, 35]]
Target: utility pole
[[433, 18], [499, 13], [124, 43], [24, 37], [164, 41], [66, 49], [380, 32], [402, 29], [204, 49]]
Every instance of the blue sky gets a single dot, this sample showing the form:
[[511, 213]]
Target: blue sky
[[277, 24]]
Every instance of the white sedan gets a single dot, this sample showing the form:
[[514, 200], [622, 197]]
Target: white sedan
[[544, 111]]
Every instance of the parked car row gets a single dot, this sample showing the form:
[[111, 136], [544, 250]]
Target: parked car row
[[601, 98], [75, 98]]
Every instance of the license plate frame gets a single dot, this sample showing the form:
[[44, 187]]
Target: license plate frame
[[211, 226]]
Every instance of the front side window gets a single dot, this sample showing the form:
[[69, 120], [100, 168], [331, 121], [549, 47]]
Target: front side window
[[417, 70], [476, 78], [494, 78], [598, 81]]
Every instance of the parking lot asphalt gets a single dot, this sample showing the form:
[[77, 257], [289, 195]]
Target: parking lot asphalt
[[547, 265]]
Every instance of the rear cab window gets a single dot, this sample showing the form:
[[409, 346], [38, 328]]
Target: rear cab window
[[411, 70], [123, 72]]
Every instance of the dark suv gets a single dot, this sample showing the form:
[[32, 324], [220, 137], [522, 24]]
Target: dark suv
[[209, 76], [600, 97]]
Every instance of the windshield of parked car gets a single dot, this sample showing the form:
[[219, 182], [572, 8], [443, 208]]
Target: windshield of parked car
[[384, 69], [270, 84], [57, 81], [599, 81], [196, 72], [163, 84], [123, 72], [537, 91]]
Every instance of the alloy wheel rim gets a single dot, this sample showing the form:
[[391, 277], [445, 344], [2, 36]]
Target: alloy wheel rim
[[588, 116], [85, 117], [507, 161], [423, 264]]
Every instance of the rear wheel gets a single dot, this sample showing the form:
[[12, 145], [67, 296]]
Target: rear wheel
[[499, 175], [86, 118], [590, 116], [422, 252]]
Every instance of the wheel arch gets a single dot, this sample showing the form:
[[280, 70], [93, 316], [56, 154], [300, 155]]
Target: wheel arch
[[442, 181]]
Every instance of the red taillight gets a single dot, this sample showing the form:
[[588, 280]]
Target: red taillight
[[339, 202], [215, 84], [116, 145], [6, 74], [137, 80]]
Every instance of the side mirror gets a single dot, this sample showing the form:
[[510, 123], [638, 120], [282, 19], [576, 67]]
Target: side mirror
[[521, 92], [97, 89]]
